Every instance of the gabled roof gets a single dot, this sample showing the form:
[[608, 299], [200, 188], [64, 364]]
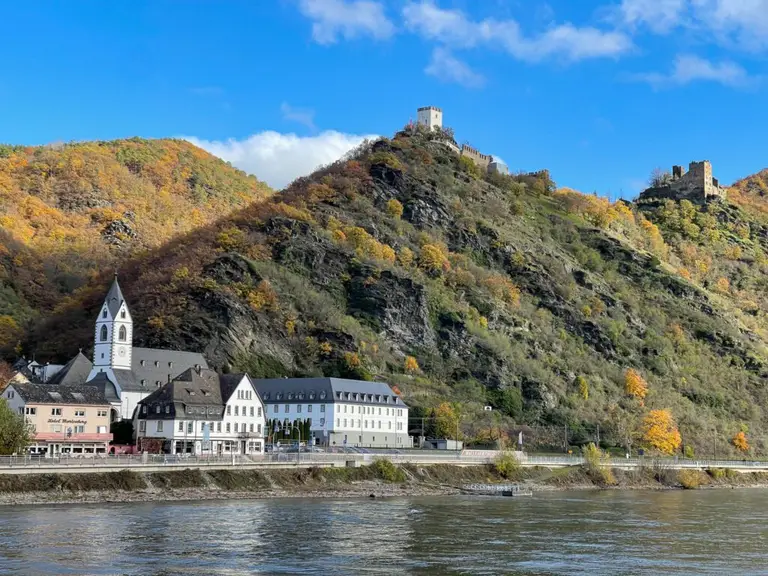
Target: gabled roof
[[106, 387], [114, 298], [326, 390], [49, 394], [151, 365], [75, 372], [200, 394]]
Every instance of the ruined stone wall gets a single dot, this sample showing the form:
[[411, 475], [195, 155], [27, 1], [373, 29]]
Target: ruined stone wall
[[482, 160], [696, 185]]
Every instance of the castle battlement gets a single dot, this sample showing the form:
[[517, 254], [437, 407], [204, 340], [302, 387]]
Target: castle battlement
[[696, 185]]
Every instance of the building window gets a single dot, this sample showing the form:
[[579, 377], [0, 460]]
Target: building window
[[142, 425], [287, 407], [144, 409], [229, 410], [345, 422], [338, 423], [79, 429], [366, 423], [322, 407], [389, 425], [159, 425], [143, 362], [218, 426], [55, 411], [259, 428], [79, 412], [167, 409], [104, 313], [298, 408], [157, 409], [228, 427], [276, 407], [239, 394], [252, 412], [181, 426], [31, 411], [103, 333], [309, 408], [322, 421], [251, 427], [190, 427], [122, 334], [101, 413], [345, 408], [237, 411], [122, 313]]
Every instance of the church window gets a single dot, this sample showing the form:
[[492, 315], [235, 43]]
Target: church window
[[103, 333], [104, 313], [122, 313], [122, 334]]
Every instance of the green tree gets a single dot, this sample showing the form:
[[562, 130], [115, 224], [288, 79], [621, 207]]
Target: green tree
[[15, 431]]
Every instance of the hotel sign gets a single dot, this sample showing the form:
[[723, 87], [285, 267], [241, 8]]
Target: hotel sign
[[66, 421]]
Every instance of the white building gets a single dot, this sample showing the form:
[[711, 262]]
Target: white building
[[342, 412], [202, 412], [430, 116], [127, 373]]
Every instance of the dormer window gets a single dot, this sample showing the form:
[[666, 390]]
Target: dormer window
[[143, 382], [322, 395], [157, 363], [157, 409], [167, 409], [311, 395], [170, 364], [290, 396], [279, 396], [143, 362]]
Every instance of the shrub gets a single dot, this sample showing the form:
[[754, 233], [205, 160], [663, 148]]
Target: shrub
[[394, 208], [387, 471], [660, 431], [717, 473], [689, 479], [595, 461], [507, 466], [634, 384], [740, 442], [411, 365], [432, 259]]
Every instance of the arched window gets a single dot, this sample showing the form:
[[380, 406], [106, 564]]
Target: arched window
[[104, 313], [103, 333], [121, 335], [122, 313]]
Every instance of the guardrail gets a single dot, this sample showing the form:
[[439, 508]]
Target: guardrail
[[466, 457]]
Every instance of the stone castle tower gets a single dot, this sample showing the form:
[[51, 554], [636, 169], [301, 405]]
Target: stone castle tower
[[696, 185], [430, 116]]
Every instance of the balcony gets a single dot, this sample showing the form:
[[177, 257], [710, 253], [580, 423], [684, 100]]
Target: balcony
[[64, 437]]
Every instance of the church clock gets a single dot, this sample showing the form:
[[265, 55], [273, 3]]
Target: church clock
[[121, 351]]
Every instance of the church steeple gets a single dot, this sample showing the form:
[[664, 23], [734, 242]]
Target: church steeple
[[114, 332]]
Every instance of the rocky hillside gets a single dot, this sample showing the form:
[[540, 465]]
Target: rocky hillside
[[405, 263], [68, 211]]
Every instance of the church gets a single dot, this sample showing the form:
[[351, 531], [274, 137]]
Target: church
[[126, 374]]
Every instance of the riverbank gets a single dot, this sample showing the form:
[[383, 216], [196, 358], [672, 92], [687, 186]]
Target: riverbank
[[381, 479]]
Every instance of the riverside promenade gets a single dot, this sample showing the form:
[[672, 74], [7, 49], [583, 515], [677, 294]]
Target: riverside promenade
[[160, 462]]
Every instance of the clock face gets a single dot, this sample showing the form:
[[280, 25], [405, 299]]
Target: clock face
[[121, 351]]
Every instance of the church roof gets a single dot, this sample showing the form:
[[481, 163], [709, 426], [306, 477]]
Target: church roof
[[152, 367], [75, 372], [114, 298], [49, 394], [106, 387]]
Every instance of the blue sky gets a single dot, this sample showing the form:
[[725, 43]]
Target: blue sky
[[598, 91]]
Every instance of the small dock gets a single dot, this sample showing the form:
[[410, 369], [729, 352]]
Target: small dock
[[497, 490]]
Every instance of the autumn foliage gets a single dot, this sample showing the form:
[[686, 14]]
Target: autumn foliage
[[740, 442], [634, 384], [660, 431]]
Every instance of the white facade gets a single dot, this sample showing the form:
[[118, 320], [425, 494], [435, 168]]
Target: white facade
[[240, 430], [430, 116], [113, 339], [348, 424]]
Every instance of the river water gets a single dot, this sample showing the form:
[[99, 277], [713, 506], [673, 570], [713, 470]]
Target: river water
[[612, 532]]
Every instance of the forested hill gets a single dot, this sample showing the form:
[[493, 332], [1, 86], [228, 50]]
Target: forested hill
[[68, 212], [405, 263]]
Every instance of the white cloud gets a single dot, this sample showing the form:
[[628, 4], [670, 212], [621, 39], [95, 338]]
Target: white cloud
[[447, 68], [300, 115], [277, 158], [688, 68], [347, 19], [659, 15], [454, 28], [735, 23]]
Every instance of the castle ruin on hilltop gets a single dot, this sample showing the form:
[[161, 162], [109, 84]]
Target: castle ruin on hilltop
[[697, 185], [432, 118]]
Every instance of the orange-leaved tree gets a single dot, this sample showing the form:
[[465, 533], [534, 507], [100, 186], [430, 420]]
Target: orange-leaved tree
[[660, 431], [740, 442], [634, 384], [411, 365]]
